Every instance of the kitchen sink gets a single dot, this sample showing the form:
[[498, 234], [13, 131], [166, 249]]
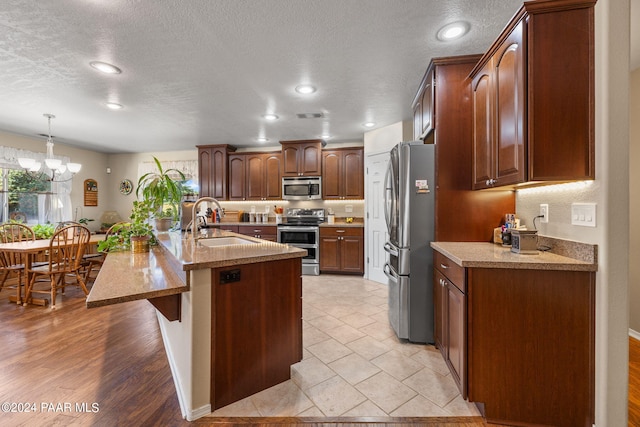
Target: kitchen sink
[[225, 241]]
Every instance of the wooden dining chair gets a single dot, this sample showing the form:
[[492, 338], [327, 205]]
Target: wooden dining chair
[[65, 258], [13, 263]]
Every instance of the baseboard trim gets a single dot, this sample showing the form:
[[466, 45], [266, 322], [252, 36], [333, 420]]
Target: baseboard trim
[[174, 371], [634, 334]]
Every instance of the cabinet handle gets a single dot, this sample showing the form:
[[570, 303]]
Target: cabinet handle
[[339, 231], [444, 266]]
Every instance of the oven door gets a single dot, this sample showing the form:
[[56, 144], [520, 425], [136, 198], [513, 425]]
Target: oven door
[[304, 237]]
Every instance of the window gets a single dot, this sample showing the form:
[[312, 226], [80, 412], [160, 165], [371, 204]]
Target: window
[[25, 199]]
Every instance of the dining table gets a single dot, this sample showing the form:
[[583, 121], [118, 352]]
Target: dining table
[[30, 249]]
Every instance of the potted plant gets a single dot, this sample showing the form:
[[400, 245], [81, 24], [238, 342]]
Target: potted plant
[[140, 230], [162, 192]]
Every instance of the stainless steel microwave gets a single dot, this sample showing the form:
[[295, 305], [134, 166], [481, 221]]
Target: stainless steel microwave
[[302, 188]]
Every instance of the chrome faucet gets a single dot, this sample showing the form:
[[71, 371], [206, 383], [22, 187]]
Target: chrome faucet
[[194, 212]]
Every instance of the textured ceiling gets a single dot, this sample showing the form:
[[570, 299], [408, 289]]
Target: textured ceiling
[[204, 71]]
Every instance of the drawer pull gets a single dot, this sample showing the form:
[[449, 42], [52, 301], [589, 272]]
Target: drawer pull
[[339, 231], [444, 266]]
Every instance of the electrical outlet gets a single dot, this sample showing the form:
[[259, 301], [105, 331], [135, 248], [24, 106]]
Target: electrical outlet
[[544, 212]]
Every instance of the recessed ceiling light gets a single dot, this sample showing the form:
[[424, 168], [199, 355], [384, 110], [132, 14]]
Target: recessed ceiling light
[[114, 106], [305, 89], [262, 139], [369, 124], [270, 117], [105, 68], [453, 31], [325, 136]]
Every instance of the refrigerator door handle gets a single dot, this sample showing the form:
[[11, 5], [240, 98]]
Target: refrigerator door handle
[[389, 273], [387, 200], [389, 249]]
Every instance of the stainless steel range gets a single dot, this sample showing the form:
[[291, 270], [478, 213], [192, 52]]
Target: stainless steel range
[[301, 229]]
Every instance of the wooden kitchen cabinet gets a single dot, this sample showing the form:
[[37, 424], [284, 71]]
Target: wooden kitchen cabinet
[[265, 232], [452, 136], [519, 342], [342, 250], [302, 158], [450, 306], [212, 170], [533, 98], [343, 174], [499, 110], [255, 176], [423, 106]]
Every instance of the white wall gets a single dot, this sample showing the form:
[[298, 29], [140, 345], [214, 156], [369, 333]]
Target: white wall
[[383, 139], [634, 201], [93, 167], [610, 191], [125, 166]]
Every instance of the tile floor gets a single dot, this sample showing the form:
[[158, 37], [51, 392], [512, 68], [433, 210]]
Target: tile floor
[[353, 364]]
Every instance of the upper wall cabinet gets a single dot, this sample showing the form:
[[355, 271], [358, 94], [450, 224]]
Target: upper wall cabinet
[[533, 98], [212, 170], [302, 158], [423, 106], [255, 176], [343, 174]]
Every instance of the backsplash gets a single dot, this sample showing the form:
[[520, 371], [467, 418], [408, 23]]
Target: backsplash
[[339, 207]]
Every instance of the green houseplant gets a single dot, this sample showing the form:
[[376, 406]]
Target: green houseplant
[[136, 234], [163, 193]]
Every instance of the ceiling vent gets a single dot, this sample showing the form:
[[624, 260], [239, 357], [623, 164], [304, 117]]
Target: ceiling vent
[[310, 115]]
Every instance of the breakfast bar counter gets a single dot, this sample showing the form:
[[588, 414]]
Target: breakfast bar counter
[[218, 295]]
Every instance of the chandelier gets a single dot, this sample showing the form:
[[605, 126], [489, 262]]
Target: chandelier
[[53, 169]]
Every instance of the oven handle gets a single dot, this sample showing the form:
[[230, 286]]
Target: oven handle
[[389, 273], [389, 249], [297, 228]]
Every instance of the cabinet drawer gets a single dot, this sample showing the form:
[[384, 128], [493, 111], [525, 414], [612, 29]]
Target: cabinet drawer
[[251, 230], [451, 270], [341, 231]]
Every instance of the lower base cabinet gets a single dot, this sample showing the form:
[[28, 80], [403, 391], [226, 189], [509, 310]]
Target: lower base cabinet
[[342, 250], [519, 342], [266, 232], [256, 327]]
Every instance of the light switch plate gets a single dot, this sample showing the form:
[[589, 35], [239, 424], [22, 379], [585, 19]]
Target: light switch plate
[[583, 214]]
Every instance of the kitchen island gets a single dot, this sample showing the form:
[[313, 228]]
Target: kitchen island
[[229, 310]]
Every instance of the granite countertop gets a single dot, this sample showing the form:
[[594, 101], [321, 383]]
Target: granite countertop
[[125, 276], [490, 255], [196, 257]]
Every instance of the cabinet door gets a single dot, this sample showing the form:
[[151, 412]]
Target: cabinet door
[[509, 84], [352, 254], [427, 104], [272, 176], [331, 173], [289, 159], [352, 174], [237, 177], [417, 119], [457, 335], [205, 172], [254, 166], [310, 159], [329, 253], [440, 312], [482, 128]]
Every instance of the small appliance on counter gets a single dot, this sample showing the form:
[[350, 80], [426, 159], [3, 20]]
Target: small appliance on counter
[[524, 241]]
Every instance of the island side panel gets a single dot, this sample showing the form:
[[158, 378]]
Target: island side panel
[[256, 328], [531, 345]]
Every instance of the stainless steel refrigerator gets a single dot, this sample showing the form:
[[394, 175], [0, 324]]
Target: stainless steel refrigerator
[[409, 211]]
